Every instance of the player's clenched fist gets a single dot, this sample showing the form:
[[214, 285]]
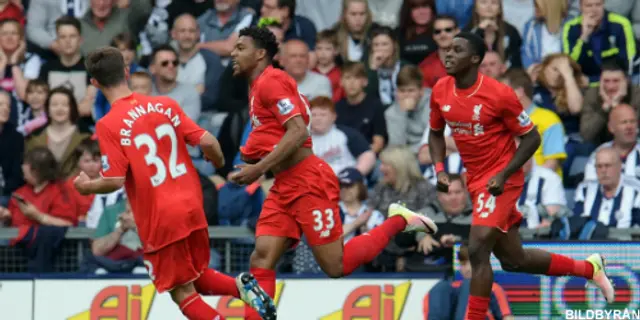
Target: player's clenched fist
[[248, 174], [495, 186], [443, 182]]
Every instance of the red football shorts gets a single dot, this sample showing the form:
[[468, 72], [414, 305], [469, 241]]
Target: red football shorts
[[499, 212], [303, 199], [180, 262]]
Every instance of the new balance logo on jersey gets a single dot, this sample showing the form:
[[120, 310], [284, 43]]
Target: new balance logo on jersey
[[285, 106], [446, 108], [325, 233], [524, 119], [476, 112]]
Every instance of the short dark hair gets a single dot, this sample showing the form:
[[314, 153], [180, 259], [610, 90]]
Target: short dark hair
[[290, 4], [613, 64], [141, 74], [106, 65], [36, 83], [162, 48], [475, 43], [73, 104], [89, 146], [519, 78], [43, 164], [328, 35], [448, 18], [263, 38], [68, 21], [354, 68], [124, 39], [409, 75]]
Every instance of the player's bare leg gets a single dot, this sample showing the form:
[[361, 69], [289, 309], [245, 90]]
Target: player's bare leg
[[481, 242], [338, 260], [192, 305], [514, 258], [266, 254]]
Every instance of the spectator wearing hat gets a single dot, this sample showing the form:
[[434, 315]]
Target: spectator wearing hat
[[357, 217]]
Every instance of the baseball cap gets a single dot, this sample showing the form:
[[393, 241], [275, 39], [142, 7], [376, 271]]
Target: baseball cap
[[350, 176]]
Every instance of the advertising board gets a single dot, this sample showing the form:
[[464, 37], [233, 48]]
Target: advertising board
[[16, 299]]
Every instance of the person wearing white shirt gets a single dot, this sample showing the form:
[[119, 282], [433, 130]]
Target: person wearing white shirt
[[543, 197]]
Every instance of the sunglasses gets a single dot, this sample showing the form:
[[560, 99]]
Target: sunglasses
[[167, 62], [439, 31]]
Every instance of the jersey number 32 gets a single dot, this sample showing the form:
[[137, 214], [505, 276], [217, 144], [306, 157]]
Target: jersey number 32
[[152, 159]]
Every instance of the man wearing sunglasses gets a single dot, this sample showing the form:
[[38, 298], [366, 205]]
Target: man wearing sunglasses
[[444, 29]]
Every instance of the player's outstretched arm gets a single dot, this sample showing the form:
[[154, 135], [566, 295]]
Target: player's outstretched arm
[[529, 143], [293, 138], [212, 150], [85, 185]]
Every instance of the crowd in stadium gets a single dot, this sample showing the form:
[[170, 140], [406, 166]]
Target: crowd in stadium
[[367, 68]]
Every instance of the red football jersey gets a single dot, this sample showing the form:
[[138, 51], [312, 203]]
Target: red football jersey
[[484, 120], [144, 139], [273, 100]]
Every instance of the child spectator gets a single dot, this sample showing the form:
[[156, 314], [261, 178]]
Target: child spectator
[[87, 156], [357, 217], [326, 54], [36, 96], [141, 82], [359, 110]]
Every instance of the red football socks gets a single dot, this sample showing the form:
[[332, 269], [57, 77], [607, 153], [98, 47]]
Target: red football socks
[[214, 283], [564, 266], [267, 280], [365, 247], [477, 308], [194, 308]]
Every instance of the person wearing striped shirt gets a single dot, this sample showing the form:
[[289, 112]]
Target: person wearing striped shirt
[[452, 163], [542, 198], [611, 202], [623, 125]]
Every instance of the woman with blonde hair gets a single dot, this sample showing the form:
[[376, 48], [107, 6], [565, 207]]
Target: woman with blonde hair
[[353, 29], [488, 22], [401, 181], [542, 34]]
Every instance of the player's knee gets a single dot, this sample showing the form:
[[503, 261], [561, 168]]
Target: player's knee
[[510, 265], [334, 271], [478, 254]]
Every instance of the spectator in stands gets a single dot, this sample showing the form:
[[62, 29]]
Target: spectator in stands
[[500, 36], [358, 218], [542, 34], [87, 157], [353, 30], [141, 82], [198, 67], [551, 152], [42, 27], [598, 34], [383, 65], [409, 115], [295, 60], [294, 26], [629, 9], [41, 209], [326, 54], [560, 90], [444, 29], [10, 10], [461, 10], [164, 68], [12, 143], [104, 21], [220, 26], [492, 65], [401, 181], [615, 89], [452, 212], [452, 162], [340, 146], [324, 14], [61, 135], [127, 46], [16, 64], [35, 116], [623, 124], [360, 110], [448, 300], [612, 201], [116, 246], [416, 30], [68, 70], [543, 197]]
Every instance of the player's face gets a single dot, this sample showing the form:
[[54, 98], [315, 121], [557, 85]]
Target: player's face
[[10, 37], [90, 165], [5, 109], [389, 173], [459, 57], [608, 168], [454, 201], [59, 108], [244, 56], [321, 120], [69, 39], [356, 17]]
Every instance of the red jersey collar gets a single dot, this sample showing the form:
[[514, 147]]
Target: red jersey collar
[[469, 92]]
